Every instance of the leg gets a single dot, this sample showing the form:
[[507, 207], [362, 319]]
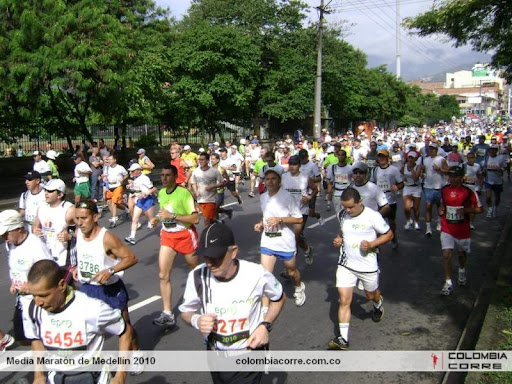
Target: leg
[[416, 208], [407, 207], [447, 263], [166, 258], [268, 262], [344, 311]]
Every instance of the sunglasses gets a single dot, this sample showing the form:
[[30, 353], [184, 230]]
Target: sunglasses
[[91, 206]]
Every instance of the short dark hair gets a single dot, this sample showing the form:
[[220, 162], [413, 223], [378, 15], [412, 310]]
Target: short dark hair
[[47, 269], [349, 194], [204, 154], [216, 155], [173, 169]]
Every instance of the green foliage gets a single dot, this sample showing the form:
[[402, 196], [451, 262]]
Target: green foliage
[[146, 141], [485, 24]]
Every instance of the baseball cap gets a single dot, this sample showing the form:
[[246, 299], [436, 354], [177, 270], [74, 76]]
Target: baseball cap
[[35, 153], [32, 175], [186, 147], [330, 150], [55, 185], [412, 154], [254, 141], [51, 154], [10, 220], [494, 138], [141, 151], [216, 143], [303, 153], [433, 145], [456, 171], [201, 150], [282, 146], [494, 146], [277, 171], [223, 149], [76, 156], [234, 146], [383, 152], [361, 166], [215, 240], [134, 166], [294, 160]]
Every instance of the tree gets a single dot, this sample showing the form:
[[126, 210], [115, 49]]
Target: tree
[[448, 107], [485, 24]]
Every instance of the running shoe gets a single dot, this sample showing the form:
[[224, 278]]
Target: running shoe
[[130, 240], [378, 313], [447, 289], [113, 222], [338, 343], [251, 194], [165, 320], [428, 232], [328, 208], [489, 213], [438, 226], [308, 255], [137, 368], [6, 342], [139, 225], [416, 226], [321, 221], [495, 212], [407, 225], [472, 226], [239, 199], [300, 295], [150, 226], [229, 213], [462, 278]]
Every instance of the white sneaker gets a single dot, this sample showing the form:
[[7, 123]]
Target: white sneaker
[[472, 226], [300, 295], [438, 226], [462, 278], [407, 225], [137, 368], [321, 221], [308, 256], [489, 213], [416, 226], [447, 289], [328, 207], [150, 226], [139, 225]]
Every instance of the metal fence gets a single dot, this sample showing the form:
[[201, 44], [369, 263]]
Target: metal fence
[[25, 145]]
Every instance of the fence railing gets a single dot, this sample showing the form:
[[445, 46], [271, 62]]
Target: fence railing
[[25, 145]]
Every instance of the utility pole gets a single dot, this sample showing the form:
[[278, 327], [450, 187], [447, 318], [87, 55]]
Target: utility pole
[[398, 39], [317, 119]]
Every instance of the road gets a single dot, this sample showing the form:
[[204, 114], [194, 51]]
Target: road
[[416, 316]]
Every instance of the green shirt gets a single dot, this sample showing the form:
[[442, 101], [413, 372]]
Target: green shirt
[[258, 166], [180, 201], [330, 159]]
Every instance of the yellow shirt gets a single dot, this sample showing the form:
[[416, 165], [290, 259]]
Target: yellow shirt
[[191, 159]]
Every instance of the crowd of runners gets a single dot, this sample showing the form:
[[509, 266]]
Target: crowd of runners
[[61, 259]]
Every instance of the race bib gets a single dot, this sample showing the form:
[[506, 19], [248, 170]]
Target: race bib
[[272, 230], [480, 152], [452, 216], [88, 267], [396, 158], [470, 180], [341, 179], [384, 185], [371, 163], [232, 323], [65, 334]]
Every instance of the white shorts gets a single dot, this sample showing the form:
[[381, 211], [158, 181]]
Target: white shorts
[[449, 242], [346, 278], [413, 190]]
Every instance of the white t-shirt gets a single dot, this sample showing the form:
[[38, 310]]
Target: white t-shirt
[[358, 154], [298, 187], [115, 175], [30, 203], [81, 325], [279, 237], [340, 177], [494, 167], [372, 196], [205, 179], [82, 167], [366, 226], [433, 179], [42, 167], [310, 169], [385, 178], [53, 222], [141, 184], [471, 175], [236, 302]]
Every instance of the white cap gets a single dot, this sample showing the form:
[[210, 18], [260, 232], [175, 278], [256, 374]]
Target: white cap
[[216, 143], [55, 185], [141, 151], [186, 147], [234, 146], [330, 150], [275, 170], [10, 220], [51, 154], [134, 166], [201, 150], [242, 141]]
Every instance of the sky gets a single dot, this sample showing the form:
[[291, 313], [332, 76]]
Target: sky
[[371, 27]]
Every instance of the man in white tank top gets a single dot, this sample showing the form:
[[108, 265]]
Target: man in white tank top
[[31, 198], [101, 261], [53, 220]]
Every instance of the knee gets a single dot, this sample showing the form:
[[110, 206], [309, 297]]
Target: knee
[[164, 276]]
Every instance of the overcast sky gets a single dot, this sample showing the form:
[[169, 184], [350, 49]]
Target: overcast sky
[[371, 28]]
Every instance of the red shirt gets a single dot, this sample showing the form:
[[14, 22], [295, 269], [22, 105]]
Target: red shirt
[[454, 198], [181, 178]]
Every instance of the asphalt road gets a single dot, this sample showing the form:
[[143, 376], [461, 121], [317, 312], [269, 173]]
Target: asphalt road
[[416, 316]]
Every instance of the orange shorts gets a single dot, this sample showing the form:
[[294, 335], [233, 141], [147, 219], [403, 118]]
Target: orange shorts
[[116, 195], [209, 210], [183, 242]]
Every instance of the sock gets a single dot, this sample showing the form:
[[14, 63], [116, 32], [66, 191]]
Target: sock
[[379, 304], [168, 313], [428, 227], [463, 270], [449, 281], [132, 234], [344, 330]]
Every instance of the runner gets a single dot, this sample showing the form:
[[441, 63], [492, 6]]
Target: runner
[[178, 215], [371, 195], [96, 163], [412, 173], [457, 202], [142, 195], [390, 180], [116, 175], [362, 231], [204, 181], [51, 156], [302, 188], [219, 197], [41, 166], [180, 165], [225, 281], [53, 222], [56, 302], [310, 169], [280, 210], [23, 250], [81, 172], [473, 178], [145, 163], [339, 177], [231, 164], [494, 166], [31, 199]]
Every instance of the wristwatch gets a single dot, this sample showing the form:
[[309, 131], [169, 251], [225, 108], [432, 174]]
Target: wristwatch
[[111, 271], [267, 325]]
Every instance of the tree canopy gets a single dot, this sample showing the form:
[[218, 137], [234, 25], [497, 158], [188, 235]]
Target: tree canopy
[[485, 24]]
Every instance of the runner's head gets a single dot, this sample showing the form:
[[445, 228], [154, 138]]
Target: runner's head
[[86, 216], [32, 180], [12, 229], [342, 156], [46, 283], [168, 175], [217, 247], [383, 157], [455, 175], [351, 201], [54, 191], [294, 165], [471, 157], [359, 173]]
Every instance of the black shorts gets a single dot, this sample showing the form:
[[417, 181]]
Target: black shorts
[[312, 202], [17, 321], [231, 186]]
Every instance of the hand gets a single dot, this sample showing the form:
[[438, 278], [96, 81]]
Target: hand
[[365, 246], [206, 322], [64, 236], [337, 241], [210, 188], [75, 274], [440, 210], [272, 221], [13, 289], [394, 188], [154, 221], [164, 214], [38, 232], [305, 199], [102, 276], [258, 338], [258, 227]]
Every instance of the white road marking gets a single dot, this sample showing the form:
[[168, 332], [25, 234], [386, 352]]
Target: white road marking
[[143, 303], [227, 205], [325, 221]]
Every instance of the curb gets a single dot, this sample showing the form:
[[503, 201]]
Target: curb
[[471, 332]]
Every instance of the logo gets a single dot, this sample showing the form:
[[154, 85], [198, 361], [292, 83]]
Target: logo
[[434, 360], [213, 241]]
